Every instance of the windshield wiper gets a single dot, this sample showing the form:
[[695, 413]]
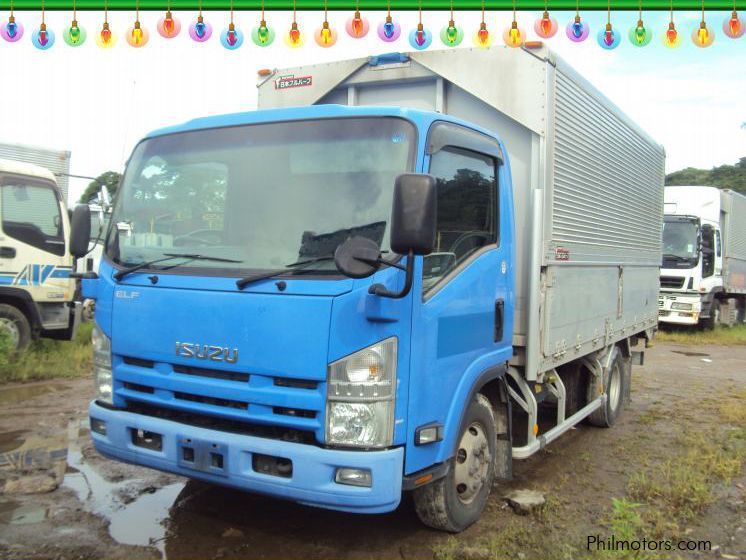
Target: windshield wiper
[[298, 265], [169, 257], [672, 256]]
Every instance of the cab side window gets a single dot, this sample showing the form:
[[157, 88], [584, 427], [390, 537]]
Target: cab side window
[[718, 250], [31, 214], [467, 209]]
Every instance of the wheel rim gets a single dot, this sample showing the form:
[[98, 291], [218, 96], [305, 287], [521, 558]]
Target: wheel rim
[[472, 463], [615, 387], [12, 329]]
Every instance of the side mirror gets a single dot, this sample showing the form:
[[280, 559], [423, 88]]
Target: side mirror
[[80, 231], [414, 214], [358, 257]]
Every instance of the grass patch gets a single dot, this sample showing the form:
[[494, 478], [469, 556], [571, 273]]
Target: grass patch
[[48, 359], [722, 335]]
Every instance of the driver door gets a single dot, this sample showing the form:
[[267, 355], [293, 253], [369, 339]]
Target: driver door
[[463, 323]]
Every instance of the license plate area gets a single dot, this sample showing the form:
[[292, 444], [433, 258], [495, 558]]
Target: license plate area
[[204, 456]]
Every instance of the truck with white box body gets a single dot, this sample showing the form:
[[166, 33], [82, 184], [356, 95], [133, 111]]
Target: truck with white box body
[[703, 272], [469, 237]]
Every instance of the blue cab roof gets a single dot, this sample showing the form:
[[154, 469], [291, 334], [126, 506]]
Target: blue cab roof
[[300, 113]]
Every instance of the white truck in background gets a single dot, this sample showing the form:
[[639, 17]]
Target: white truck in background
[[37, 293], [703, 273]]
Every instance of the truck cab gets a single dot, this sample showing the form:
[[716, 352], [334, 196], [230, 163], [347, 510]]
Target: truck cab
[[36, 290], [692, 246]]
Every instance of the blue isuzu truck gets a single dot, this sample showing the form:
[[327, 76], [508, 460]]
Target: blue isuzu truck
[[398, 275]]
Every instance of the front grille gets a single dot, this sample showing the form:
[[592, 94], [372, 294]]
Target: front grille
[[139, 388], [212, 373], [212, 423], [227, 403], [672, 282], [294, 412]]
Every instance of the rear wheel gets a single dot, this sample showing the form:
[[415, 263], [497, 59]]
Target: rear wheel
[[15, 324], [455, 501], [614, 386]]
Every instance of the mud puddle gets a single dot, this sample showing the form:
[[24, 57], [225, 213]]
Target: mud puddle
[[688, 353], [20, 393], [133, 519]]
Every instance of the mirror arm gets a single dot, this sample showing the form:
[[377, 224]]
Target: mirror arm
[[382, 291]]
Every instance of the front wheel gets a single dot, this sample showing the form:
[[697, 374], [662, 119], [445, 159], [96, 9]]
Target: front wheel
[[15, 324], [714, 319], [457, 500]]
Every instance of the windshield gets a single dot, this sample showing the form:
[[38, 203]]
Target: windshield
[[266, 194], [680, 241]]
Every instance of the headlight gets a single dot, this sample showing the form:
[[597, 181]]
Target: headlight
[[681, 306], [101, 365], [361, 394]]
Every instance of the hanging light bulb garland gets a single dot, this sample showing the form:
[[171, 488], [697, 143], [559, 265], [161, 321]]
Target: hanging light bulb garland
[[420, 38], [294, 38], [703, 36], [640, 35], [388, 30], [168, 26], [734, 27], [43, 38], [137, 35], [451, 34], [357, 26], [12, 30], [106, 38], [200, 30], [514, 36], [74, 35], [546, 26], [231, 37], [608, 38], [262, 34], [325, 35], [482, 38], [671, 37]]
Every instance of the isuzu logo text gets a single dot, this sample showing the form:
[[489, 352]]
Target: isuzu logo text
[[207, 352]]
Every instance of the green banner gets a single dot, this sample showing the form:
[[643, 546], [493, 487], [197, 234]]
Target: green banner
[[348, 5]]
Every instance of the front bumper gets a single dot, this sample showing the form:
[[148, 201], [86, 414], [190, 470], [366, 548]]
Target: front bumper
[[666, 313], [312, 480]]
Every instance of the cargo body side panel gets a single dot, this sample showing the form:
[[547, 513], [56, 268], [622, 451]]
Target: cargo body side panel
[[733, 212]]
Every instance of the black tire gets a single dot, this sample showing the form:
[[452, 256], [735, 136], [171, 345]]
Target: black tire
[[714, 319], [448, 505], [575, 379], [15, 322], [615, 383]]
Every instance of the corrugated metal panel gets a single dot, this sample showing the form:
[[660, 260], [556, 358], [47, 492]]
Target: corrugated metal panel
[[54, 160], [735, 234], [608, 183]]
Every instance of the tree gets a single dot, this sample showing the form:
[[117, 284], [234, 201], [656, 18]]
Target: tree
[[723, 176], [110, 179]]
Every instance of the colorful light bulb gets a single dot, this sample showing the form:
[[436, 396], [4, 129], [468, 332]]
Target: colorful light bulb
[[200, 30], [388, 30], [420, 38], [168, 26], [451, 34], [577, 30], [43, 38], [482, 38], [137, 36], [671, 37], [608, 38], [74, 35], [105, 38], [357, 26], [325, 36], [703, 36], [294, 38], [546, 26], [513, 35], [640, 35], [11, 31], [734, 27], [262, 35], [231, 37]]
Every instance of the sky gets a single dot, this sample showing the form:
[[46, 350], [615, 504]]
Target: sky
[[98, 103]]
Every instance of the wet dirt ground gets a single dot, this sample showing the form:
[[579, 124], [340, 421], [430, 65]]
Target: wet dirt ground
[[80, 505]]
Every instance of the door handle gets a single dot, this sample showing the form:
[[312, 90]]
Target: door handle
[[7, 253], [499, 319]]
